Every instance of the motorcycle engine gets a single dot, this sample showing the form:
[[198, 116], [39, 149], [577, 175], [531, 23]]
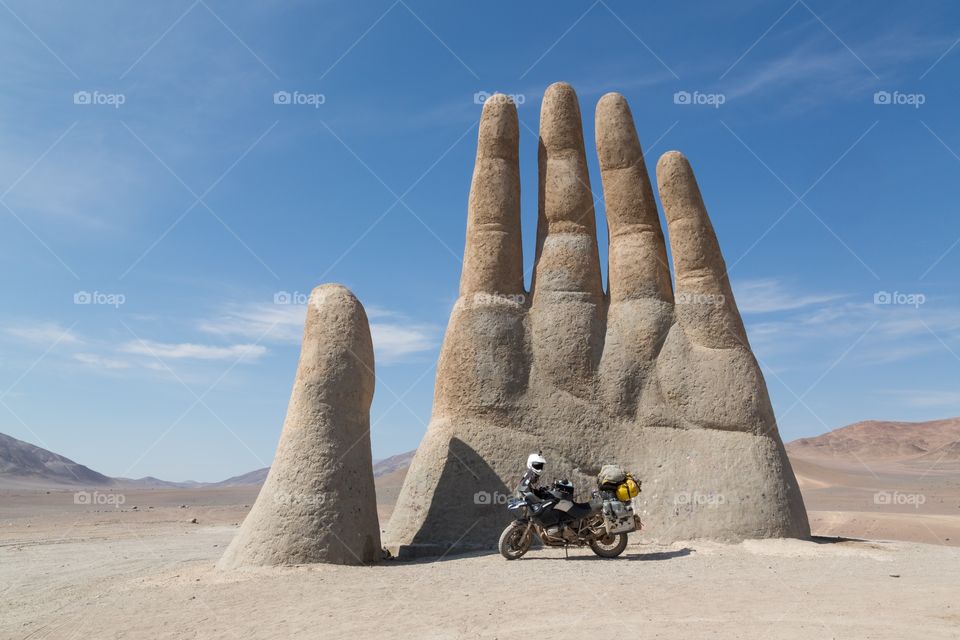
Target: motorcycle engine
[[555, 531], [562, 532]]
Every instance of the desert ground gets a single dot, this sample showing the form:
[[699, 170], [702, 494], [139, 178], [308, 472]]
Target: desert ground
[[883, 480], [138, 562], [99, 571]]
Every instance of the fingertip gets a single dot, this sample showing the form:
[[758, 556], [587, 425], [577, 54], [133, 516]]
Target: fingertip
[[617, 143], [560, 123], [559, 88], [672, 161], [331, 294], [679, 191], [499, 135], [336, 312], [611, 102]]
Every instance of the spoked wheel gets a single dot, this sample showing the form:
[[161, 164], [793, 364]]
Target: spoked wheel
[[514, 541], [610, 545]]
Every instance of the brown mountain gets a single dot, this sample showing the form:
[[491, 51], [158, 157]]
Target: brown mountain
[[875, 440], [24, 464]]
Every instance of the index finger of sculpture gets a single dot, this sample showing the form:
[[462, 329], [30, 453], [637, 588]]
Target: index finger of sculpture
[[638, 254], [492, 260], [705, 307]]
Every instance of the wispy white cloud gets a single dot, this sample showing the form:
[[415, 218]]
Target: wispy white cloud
[[394, 342], [820, 70], [80, 179], [101, 362], [279, 323], [883, 333], [396, 337], [768, 295], [45, 333], [791, 329], [190, 350], [926, 397]]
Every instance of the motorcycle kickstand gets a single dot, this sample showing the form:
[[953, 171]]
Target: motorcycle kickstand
[[566, 552]]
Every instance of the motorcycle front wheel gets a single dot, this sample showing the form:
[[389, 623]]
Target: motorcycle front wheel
[[609, 546], [513, 541]]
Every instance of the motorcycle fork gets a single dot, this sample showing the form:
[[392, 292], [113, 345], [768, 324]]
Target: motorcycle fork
[[526, 532]]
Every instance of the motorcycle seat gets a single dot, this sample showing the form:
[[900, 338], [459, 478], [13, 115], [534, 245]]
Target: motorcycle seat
[[580, 510]]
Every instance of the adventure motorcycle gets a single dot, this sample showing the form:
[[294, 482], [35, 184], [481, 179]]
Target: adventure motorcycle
[[558, 521]]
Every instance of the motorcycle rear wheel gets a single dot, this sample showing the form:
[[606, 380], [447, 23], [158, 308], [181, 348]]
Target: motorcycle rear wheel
[[609, 546], [512, 544]]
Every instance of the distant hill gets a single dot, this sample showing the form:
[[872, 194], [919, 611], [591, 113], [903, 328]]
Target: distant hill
[[24, 464], [393, 463], [875, 440], [936, 442], [399, 462], [149, 482], [246, 479]]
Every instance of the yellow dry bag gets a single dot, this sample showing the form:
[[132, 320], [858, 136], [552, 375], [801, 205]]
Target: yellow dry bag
[[628, 489]]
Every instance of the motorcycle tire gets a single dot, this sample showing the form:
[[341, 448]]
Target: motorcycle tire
[[512, 546], [609, 546]]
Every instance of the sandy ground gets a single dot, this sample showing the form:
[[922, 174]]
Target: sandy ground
[[81, 571], [880, 500]]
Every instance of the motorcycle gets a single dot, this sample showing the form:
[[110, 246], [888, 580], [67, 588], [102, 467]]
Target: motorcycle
[[558, 521]]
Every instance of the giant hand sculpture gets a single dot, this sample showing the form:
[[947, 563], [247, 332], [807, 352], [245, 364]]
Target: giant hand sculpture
[[661, 380]]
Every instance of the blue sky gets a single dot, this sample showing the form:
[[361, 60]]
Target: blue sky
[[183, 199]]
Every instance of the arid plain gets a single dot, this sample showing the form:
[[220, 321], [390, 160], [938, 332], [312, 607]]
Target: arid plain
[[883, 563]]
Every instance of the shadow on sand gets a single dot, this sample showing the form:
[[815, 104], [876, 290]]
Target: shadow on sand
[[534, 555], [656, 555]]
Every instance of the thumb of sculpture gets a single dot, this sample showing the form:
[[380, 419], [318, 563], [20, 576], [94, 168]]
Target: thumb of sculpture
[[318, 502]]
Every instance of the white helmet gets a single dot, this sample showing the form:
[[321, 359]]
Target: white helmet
[[536, 462]]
